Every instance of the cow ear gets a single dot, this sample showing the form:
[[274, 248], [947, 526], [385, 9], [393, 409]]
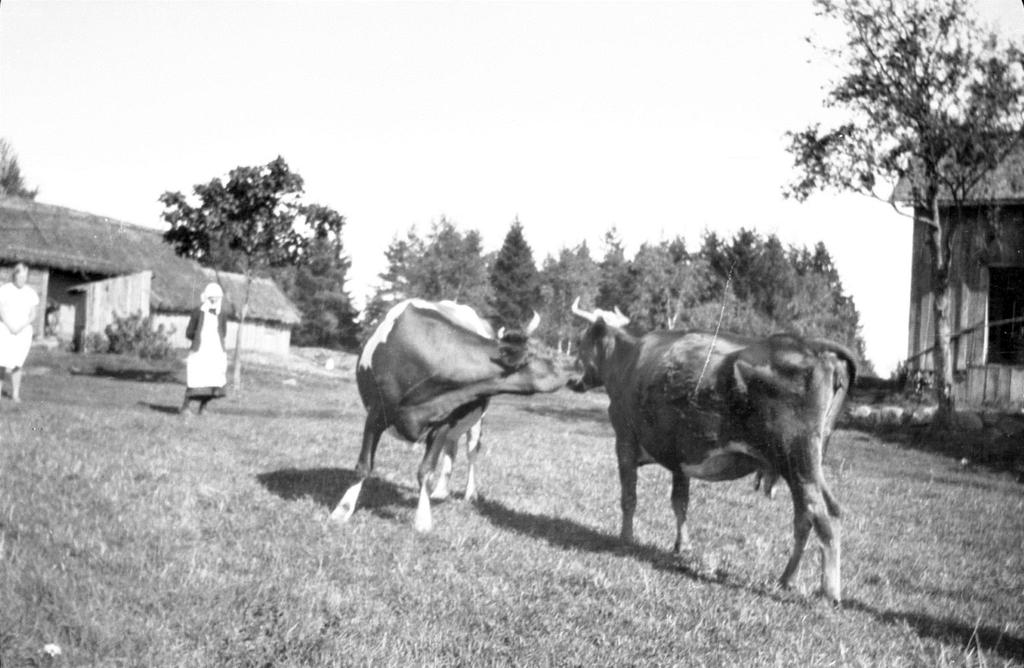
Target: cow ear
[[747, 374]]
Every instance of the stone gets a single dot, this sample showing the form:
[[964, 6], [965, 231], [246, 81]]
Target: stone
[[923, 414], [890, 415]]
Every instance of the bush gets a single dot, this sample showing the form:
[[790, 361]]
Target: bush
[[135, 334]]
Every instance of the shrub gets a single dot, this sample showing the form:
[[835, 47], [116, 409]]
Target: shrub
[[135, 334]]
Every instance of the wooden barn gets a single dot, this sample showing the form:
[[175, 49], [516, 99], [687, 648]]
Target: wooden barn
[[87, 269], [987, 295]]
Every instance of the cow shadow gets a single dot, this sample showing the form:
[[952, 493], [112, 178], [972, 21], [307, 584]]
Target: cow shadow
[[325, 487], [169, 376], [985, 640], [569, 535], [275, 413], [575, 414], [161, 408]]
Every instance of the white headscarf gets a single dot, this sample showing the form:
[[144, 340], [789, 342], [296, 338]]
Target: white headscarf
[[210, 291]]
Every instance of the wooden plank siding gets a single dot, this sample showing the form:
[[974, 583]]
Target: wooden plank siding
[[991, 386], [116, 297], [976, 247]]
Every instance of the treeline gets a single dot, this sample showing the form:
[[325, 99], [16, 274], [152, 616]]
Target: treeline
[[749, 284]]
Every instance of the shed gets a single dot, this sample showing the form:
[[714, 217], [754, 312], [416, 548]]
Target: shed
[[986, 292], [87, 268]]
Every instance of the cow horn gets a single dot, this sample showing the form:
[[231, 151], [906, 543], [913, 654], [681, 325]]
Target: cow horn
[[589, 317], [625, 318], [534, 323]]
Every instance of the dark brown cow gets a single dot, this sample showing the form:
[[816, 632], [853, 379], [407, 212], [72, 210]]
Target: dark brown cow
[[719, 407], [427, 373]]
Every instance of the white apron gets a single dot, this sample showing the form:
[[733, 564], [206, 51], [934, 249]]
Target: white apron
[[208, 366]]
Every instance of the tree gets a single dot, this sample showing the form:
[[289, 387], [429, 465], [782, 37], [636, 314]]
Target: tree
[[514, 279], [930, 98], [573, 274], [447, 264], [12, 184], [254, 222], [316, 284], [616, 283]]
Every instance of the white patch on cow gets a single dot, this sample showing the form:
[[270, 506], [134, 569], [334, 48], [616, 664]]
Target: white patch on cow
[[343, 511], [380, 335], [460, 314], [717, 461], [465, 317], [423, 522]]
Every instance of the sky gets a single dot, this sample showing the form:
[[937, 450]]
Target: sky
[[659, 119]]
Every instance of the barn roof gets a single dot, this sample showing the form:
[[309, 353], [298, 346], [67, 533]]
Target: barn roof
[[59, 238], [1004, 185]]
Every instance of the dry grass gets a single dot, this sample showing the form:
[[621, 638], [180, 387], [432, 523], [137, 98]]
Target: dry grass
[[130, 536]]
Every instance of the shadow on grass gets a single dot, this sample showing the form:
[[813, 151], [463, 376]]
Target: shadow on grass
[[981, 639], [133, 375], [273, 414], [571, 535], [573, 414], [998, 454], [325, 487], [160, 408]]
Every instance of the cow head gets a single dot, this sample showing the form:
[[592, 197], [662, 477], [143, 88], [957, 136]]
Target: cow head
[[595, 344], [519, 354]]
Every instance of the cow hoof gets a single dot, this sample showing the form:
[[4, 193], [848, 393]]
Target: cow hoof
[[439, 495], [423, 525], [342, 513]]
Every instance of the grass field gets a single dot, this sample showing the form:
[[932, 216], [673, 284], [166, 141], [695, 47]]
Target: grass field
[[132, 536]]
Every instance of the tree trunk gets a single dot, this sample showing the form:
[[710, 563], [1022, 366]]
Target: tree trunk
[[236, 376], [942, 355]]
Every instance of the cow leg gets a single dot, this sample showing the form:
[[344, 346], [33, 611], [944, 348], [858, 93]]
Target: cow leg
[[472, 452], [372, 431], [442, 484], [680, 503], [813, 507], [627, 480], [437, 440]]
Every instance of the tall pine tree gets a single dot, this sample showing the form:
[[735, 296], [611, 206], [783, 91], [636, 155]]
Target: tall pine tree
[[616, 284], [514, 279]]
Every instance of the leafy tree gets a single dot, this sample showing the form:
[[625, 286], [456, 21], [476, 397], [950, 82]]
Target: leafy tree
[[252, 223], [12, 184], [664, 283], [447, 264], [573, 274], [930, 97], [514, 279], [452, 266]]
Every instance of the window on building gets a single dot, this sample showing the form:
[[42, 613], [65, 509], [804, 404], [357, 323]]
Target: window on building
[[1006, 302]]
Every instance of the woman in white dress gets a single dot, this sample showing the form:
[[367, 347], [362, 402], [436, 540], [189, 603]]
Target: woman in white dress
[[18, 307], [207, 363]]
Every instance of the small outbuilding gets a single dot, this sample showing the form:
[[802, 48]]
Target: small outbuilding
[[986, 293], [87, 269]]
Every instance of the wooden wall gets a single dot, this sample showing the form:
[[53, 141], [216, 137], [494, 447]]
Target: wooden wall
[[993, 385], [979, 244], [120, 296]]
